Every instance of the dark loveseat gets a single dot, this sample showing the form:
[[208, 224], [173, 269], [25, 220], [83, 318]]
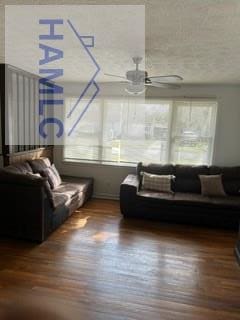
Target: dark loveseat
[[29, 208], [186, 204]]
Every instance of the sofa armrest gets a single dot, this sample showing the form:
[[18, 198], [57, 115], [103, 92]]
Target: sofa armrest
[[7, 177], [128, 192], [131, 181]]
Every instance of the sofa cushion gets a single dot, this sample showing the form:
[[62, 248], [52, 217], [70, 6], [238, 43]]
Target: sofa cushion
[[77, 190], [153, 168], [187, 178], [73, 185], [160, 183], [56, 174], [53, 178], [46, 185], [67, 189], [19, 167], [59, 199], [230, 177], [191, 199], [40, 164], [211, 185]]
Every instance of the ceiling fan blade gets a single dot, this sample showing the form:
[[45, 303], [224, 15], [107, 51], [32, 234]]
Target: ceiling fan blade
[[163, 85], [114, 75], [117, 82], [166, 78]]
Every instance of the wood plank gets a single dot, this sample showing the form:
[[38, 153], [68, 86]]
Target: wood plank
[[100, 266]]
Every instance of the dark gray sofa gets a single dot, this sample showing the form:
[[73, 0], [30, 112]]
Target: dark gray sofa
[[29, 208], [186, 205]]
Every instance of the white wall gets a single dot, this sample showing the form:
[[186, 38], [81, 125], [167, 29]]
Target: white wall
[[226, 149], [107, 178]]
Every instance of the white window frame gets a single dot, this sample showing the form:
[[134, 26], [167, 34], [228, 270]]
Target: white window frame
[[172, 116]]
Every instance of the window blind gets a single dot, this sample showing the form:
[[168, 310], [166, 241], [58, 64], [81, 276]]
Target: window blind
[[122, 131]]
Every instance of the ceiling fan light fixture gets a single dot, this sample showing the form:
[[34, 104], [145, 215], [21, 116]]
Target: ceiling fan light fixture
[[135, 89]]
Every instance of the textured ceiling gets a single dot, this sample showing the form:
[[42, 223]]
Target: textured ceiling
[[197, 39]]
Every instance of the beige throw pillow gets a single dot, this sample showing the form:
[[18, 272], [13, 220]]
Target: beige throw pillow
[[155, 182], [212, 186]]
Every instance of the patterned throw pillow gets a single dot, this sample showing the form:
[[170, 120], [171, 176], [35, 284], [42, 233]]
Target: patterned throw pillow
[[212, 186], [52, 175], [155, 182]]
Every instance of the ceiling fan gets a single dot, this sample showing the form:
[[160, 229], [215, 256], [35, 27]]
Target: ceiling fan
[[137, 80]]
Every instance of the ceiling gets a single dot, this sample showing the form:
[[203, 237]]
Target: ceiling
[[198, 40]]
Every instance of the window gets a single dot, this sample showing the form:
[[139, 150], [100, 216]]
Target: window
[[122, 131], [193, 132], [88, 134]]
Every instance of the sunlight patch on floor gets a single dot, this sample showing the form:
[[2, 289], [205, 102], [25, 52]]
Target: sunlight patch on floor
[[79, 224], [104, 236]]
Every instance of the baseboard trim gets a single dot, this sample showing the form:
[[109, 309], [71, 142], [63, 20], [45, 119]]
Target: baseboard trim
[[106, 196], [237, 251]]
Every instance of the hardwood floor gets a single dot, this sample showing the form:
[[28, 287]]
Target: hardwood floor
[[99, 266]]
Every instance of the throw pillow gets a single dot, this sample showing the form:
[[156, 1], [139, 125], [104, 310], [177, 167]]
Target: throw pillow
[[38, 175], [56, 173], [52, 175], [155, 182], [40, 164], [212, 186], [47, 186]]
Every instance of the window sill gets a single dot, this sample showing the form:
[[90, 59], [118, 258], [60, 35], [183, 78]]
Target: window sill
[[82, 163]]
